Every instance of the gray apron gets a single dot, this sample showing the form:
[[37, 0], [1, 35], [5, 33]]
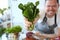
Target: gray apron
[[44, 28]]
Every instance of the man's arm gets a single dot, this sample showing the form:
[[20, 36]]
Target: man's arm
[[45, 35], [56, 34], [48, 35]]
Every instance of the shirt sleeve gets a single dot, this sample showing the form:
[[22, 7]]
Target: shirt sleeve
[[57, 31]]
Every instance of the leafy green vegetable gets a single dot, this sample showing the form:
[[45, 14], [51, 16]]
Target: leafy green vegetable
[[2, 31], [14, 29], [30, 11]]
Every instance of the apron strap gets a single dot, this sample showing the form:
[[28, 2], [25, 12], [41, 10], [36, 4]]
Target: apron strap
[[55, 18], [45, 19]]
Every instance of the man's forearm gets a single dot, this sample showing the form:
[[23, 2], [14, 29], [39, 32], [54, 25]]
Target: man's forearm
[[48, 35]]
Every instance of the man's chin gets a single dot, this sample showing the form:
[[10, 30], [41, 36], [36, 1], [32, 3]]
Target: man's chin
[[50, 13]]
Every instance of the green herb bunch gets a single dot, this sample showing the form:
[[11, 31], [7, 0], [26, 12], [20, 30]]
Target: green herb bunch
[[14, 29], [30, 11]]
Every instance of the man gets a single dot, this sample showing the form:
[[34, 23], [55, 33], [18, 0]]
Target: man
[[51, 8]]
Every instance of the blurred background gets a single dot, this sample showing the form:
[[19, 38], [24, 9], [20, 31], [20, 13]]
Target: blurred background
[[13, 15]]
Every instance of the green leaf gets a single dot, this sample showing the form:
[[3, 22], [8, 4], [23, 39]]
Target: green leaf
[[2, 10], [20, 6], [37, 3]]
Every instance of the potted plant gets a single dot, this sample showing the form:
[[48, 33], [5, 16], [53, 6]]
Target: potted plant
[[15, 30], [2, 12], [30, 11], [4, 9], [2, 31]]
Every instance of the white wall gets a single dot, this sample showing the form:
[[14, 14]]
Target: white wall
[[3, 3]]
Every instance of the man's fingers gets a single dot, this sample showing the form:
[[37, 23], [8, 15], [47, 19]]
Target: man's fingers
[[28, 23], [37, 33], [25, 19], [27, 27]]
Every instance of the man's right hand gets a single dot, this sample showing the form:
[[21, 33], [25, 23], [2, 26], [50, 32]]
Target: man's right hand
[[28, 24]]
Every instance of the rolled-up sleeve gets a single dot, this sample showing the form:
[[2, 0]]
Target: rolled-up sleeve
[[57, 31]]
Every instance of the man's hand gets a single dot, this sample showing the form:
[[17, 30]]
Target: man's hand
[[28, 24], [38, 34]]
